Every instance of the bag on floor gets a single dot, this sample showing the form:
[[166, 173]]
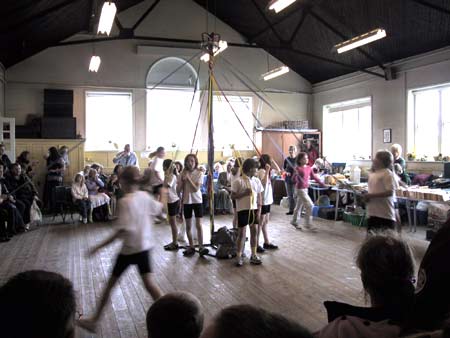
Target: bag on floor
[[35, 213], [285, 202], [225, 239]]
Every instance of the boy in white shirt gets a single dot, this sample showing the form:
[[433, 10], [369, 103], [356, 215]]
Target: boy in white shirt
[[137, 211], [247, 191], [381, 193]]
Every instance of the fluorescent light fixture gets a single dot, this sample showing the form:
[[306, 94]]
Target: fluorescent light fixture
[[361, 40], [219, 49], [107, 18], [94, 65], [279, 5], [275, 73]]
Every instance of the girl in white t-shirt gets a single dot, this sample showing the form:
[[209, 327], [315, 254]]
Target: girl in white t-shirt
[[137, 209], [265, 163], [247, 191], [173, 205], [189, 184], [381, 193], [235, 174]]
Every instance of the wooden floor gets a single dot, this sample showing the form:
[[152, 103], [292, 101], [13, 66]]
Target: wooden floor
[[308, 269]]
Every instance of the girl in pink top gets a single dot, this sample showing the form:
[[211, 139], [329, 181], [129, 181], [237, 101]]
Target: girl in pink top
[[303, 172]]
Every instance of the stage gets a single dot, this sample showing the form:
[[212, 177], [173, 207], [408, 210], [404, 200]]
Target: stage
[[294, 280]]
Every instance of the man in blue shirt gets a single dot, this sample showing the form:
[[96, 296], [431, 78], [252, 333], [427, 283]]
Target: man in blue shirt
[[126, 158]]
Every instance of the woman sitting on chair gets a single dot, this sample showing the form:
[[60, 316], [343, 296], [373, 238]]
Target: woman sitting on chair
[[97, 198]]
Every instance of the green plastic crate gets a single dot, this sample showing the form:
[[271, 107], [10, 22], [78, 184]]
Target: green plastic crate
[[355, 219]]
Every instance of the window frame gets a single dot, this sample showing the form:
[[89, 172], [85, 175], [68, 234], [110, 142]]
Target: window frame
[[412, 116], [111, 92], [346, 105]]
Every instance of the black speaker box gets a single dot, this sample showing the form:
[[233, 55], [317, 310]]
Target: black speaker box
[[59, 127], [58, 103], [447, 170]]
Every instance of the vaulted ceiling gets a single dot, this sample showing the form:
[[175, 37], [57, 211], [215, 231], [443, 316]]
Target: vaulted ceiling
[[302, 36]]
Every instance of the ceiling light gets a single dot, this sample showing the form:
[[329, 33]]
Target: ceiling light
[[279, 5], [361, 40], [107, 18], [275, 73], [222, 45], [94, 65]]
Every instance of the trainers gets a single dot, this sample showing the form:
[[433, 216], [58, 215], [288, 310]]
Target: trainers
[[203, 252], [87, 324], [290, 213], [239, 262], [84, 220], [189, 252], [243, 255], [255, 260], [171, 247], [260, 249], [80, 218], [270, 246]]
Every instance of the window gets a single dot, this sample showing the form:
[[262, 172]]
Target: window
[[347, 130], [173, 111], [109, 120], [171, 122], [429, 122]]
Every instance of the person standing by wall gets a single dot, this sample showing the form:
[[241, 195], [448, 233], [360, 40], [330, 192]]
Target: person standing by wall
[[289, 167]]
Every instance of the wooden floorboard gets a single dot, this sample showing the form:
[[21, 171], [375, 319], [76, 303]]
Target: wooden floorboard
[[295, 280]]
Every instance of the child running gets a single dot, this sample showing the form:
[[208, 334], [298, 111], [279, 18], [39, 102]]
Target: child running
[[246, 190], [267, 199], [191, 180], [303, 173], [173, 206], [136, 213], [381, 191]]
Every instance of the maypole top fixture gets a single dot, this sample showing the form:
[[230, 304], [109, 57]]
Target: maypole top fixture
[[212, 45]]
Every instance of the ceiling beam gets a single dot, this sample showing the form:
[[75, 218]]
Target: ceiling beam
[[147, 12], [345, 38], [197, 44], [118, 24], [269, 24], [299, 25], [41, 14], [433, 6], [275, 23]]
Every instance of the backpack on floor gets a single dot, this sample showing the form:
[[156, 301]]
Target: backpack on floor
[[225, 239]]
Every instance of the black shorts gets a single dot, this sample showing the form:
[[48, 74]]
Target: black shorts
[[247, 217], [156, 189], [197, 208], [265, 209], [141, 259], [234, 203], [379, 224], [173, 208]]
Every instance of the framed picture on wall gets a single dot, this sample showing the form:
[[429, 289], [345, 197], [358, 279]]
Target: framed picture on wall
[[387, 135]]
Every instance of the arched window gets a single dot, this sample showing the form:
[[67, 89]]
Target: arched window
[[172, 109]]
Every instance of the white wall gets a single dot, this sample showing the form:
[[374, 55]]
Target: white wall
[[389, 98], [125, 65]]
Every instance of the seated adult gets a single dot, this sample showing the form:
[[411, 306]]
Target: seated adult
[[55, 172], [80, 198], [126, 157], [101, 175], [222, 201], [387, 274], [22, 190], [36, 304], [24, 161], [432, 306], [396, 150], [177, 314], [9, 212], [97, 198], [247, 321], [4, 159]]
